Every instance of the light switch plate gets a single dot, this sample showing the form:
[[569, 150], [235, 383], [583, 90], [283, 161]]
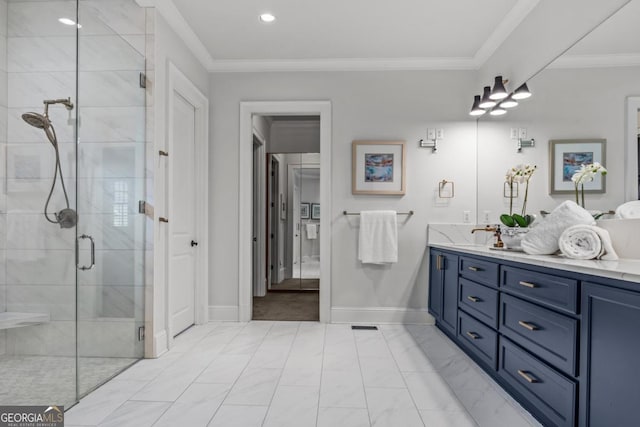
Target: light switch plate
[[431, 134], [514, 133], [439, 133]]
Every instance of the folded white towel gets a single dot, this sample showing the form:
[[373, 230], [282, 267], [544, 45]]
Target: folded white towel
[[543, 238], [628, 210], [378, 240], [587, 242], [312, 231]]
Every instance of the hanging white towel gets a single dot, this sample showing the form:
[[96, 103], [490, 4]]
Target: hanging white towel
[[587, 242], [312, 231], [378, 241]]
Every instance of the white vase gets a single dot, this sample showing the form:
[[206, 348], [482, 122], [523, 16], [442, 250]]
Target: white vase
[[512, 236]]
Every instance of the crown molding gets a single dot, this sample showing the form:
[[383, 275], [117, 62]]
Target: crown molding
[[176, 21], [596, 61], [342, 64]]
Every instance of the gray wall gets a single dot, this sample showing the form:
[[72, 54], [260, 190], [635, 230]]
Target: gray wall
[[365, 105]]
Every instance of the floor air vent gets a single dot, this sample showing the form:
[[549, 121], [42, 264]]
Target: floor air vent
[[364, 328]]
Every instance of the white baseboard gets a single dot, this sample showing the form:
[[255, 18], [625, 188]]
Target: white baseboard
[[159, 343], [380, 315], [225, 313]]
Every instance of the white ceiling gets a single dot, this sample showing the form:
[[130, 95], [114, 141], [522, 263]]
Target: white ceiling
[[371, 34]]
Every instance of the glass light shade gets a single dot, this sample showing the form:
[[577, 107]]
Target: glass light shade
[[498, 92], [497, 111], [475, 109], [509, 102], [487, 102], [267, 17], [522, 92]]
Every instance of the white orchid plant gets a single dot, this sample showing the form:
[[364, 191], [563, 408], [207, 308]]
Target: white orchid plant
[[522, 175], [585, 174]]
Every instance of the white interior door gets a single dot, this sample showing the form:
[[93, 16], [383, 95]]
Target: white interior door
[[182, 228]]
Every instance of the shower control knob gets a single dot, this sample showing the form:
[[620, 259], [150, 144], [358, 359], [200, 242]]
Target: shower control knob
[[194, 243]]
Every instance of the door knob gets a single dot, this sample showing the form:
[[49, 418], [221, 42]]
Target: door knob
[[194, 243]]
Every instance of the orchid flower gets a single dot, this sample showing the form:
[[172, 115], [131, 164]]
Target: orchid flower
[[586, 173]]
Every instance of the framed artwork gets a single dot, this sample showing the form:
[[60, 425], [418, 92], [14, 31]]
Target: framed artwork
[[315, 211], [565, 158], [378, 167], [304, 210]]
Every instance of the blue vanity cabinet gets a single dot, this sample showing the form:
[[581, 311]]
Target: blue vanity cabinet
[[443, 289], [610, 350]]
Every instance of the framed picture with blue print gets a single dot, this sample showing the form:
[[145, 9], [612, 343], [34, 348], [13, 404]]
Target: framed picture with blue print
[[378, 167]]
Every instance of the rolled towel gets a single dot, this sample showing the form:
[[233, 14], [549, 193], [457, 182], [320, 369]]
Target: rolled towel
[[587, 242], [543, 239]]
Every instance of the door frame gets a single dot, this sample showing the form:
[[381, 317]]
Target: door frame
[[245, 162], [631, 159], [179, 83], [259, 272]]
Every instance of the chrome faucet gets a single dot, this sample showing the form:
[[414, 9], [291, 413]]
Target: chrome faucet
[[497, 233]]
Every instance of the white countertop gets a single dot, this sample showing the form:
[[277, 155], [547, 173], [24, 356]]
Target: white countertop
[[622, 269]]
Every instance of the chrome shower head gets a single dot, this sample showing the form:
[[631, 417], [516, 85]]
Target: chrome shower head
[[37, 120]]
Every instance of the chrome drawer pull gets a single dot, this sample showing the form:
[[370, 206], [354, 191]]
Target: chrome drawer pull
[[473, 299], [526, 325], [475, 269], [528, 284], [527, 377], [473, 335]]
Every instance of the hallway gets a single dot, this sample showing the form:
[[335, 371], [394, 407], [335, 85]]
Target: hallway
[[302, 374]]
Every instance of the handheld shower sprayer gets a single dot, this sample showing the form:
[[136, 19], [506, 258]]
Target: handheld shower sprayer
[[66, 218]]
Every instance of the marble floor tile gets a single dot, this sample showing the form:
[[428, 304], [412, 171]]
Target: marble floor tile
[[392, 407], [343, 417], [447, 419], [431, 392], [254, 387], [136, 414], [221, 375], [225, 369], [342, 389], [195, 407], [239, 416], [380, 372], [293, 406]]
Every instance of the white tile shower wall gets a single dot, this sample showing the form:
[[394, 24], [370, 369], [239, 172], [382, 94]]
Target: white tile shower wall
[[40, 266]]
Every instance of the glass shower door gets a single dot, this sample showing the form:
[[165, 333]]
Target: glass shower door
[[110, 181]]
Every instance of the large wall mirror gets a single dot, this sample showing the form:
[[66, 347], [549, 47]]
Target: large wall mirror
[[590, 93]]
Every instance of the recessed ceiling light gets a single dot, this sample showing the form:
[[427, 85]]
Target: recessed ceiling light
[[67, 21], [267, 17]]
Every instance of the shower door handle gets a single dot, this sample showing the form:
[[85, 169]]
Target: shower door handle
[[93, 253]]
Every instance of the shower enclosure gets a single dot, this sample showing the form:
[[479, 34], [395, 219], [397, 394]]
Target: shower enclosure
[[71, 287]]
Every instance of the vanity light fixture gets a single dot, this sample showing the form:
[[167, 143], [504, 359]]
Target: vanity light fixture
[[522, 92], [267, 18], [498, 92], [475, 109], [486, 101], [497, 111], [67, 21], [509, 102]]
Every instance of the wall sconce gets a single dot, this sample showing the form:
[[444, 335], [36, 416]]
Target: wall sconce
[[496, 101]]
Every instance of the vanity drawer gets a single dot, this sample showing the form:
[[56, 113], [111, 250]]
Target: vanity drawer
[[478, 338], [554, 291], [480, 271], [551, 395], [480, 301], [547, 334]]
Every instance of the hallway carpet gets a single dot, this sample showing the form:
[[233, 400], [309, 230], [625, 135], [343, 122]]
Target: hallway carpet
[[287, 306]]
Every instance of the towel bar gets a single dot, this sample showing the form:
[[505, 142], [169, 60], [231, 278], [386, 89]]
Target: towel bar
[[358, 213]]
